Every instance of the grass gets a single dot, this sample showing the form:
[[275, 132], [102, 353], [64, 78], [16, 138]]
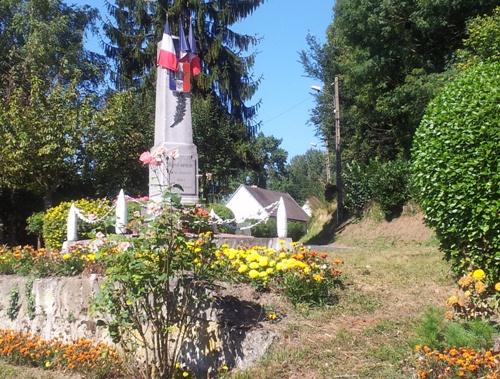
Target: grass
[[8, 371], [368, 333]]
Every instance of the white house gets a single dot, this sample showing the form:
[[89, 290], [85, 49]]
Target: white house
[[250, 202]]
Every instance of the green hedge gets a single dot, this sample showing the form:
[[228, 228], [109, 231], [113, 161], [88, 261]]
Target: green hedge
[[55, 220], [456, 169], [386, 183], [296, 230], [225, 213]]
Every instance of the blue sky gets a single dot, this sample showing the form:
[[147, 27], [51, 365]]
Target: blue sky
[[284, 91]]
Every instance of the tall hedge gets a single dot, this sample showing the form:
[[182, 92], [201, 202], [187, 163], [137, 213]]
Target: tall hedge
[[456, 169]]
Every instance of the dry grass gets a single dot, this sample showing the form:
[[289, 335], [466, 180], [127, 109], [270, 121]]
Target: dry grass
[[368, 333], [8, 371]]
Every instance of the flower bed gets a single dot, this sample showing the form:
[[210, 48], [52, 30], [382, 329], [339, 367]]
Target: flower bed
[[457, 362], [96, 360]]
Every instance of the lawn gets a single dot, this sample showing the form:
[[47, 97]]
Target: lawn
[[369, 332]]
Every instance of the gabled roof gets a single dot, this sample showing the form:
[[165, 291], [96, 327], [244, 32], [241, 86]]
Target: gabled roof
[[265, 197]]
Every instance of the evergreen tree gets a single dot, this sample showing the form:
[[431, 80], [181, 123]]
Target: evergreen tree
[[137, 27]]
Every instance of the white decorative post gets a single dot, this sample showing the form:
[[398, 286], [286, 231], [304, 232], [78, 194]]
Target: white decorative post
[[72, 227], [281, 219], [121, 214]]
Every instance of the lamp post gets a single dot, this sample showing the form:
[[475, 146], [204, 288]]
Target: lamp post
[[338, 152]]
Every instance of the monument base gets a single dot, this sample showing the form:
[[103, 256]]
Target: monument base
[[182, 171]]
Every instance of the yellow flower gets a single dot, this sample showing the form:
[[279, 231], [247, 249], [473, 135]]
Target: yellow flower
[[452, 300], [185, 374], [497, 287], [269, 270], [242, 269], [317, 277], [48, 364], [253, 274], [263, 261], [263, 275], [467, 293], [478, 274], [253, 265], [66, 256]]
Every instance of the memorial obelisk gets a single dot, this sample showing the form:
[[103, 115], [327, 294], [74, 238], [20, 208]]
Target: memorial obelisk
[[174, 131]]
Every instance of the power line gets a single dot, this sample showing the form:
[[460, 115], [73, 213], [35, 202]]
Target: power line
[[291, 108]]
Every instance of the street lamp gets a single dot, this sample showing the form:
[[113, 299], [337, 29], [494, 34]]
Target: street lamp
[[338, 157]]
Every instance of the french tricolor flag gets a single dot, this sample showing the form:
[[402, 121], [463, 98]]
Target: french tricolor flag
[[194, 60], [167, 57]]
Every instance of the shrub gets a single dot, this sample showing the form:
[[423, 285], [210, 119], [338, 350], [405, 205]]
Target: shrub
[[438, 333], [34, 225], [386, 183], [226, 214], [54, 220], [455, 169], [296, 230]]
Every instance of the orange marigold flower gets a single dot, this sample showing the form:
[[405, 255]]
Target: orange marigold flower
[[480, 287]]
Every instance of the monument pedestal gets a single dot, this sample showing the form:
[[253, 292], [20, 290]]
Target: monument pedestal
[[182, 171], [174, 130]]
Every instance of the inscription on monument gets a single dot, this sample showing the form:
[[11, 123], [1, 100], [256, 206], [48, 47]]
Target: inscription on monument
[[184, 174]]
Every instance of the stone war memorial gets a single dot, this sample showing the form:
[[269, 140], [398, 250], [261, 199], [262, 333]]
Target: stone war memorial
[[177, 62]]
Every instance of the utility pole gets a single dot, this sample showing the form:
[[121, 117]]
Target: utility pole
[[338, 159]]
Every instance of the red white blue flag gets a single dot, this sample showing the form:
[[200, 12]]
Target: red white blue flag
[[194, 60], [167, 58], [184, 47]]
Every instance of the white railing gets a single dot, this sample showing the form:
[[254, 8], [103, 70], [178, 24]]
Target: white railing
[[76, 215]]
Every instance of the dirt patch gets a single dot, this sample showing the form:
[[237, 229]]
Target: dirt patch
[[407, 229]]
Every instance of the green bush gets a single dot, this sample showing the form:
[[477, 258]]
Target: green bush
[[438, 333], [456, 169], [296, 230], [55, 219], [225, 213], [386, 183]]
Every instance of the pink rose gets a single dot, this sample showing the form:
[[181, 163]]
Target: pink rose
[[146, 158]]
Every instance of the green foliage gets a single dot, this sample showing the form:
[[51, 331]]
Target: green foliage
[[135, 27], [482, 42], [55, 220], [40, 154], [156, 289], [437, 333], [305, 291], [306, 176], [227, 147], [14, 305], [296, 229], [226, 214], [116, 138], [267, 161], [34, 223], [26, 261], [455, 169], [392, 57], [386, 184], [30, 299]]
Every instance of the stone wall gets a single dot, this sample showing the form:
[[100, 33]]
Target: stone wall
[[230, 330]]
